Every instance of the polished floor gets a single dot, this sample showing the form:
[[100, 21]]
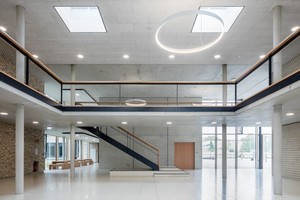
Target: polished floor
[[94, 184]]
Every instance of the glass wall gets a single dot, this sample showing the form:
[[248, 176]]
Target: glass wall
[[246, 147]]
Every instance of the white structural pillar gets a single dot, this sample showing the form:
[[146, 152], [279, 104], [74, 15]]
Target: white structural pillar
[[73, 78], [57, 148], [200, 149], [19, 162], [216, 147], [277, 27], [224, 151], [72, 150], [64, 148], [277, 149], [224, 78], [20, 60], [67, 150], [236, 148], [256, 148]]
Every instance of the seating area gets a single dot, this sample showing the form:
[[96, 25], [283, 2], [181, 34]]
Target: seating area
[[65, 164]]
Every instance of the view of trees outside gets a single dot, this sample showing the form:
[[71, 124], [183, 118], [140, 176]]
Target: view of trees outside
[[246, 147]]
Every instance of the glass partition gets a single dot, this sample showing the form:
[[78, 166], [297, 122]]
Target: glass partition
[[7, 58], [44, 83], [253, 83]]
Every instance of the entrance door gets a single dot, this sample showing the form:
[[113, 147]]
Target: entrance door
[[184, 155]]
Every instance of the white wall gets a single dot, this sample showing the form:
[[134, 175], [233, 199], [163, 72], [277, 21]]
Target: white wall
[[162, 138]]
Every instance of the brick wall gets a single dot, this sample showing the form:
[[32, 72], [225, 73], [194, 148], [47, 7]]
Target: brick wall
[[33, 145]]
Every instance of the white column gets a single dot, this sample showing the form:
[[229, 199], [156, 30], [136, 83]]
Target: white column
[[216, 147], [81, 149], [20, 60], [224, 92], [19, 162], [73, 77], [277, 27], [64, 149], [57, 148], [224, 151], [256, 148], [277, 149], [67, 149], [200, 149], [72, 150], [236, 148]]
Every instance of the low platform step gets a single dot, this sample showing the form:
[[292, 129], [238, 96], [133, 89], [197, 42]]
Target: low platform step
[[145, 172]]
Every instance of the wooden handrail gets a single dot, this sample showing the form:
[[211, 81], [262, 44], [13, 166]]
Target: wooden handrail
[[26, 53], [138, 138], [275, 50], [149, 82]]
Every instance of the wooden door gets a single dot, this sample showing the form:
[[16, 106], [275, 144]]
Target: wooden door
[[184, 155]]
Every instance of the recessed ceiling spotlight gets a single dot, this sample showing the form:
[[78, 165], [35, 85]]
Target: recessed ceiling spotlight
[[289, 114], [213, 122], [80, 56], [262, 56], [3, 113], [217, 56], [79, 122], [77, 94], [171, 56], [295, 28], [2, 28], [35, 122], [258, 123], [124, 122], [233, 79], [49, 128], [169, 123], [125, 56], [35, 56]]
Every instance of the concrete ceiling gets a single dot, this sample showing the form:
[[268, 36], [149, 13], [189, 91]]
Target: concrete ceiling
[[131, 25]]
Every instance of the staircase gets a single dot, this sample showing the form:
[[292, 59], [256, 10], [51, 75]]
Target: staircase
[[122, 147]]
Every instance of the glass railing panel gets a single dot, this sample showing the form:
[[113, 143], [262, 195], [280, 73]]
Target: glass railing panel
[[290, 58], [7, 59], [200, 95], [153, 95], [42, 82], [253, 83]]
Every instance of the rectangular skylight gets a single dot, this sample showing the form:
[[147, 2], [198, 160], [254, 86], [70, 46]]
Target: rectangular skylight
[[82, 19], [204, 23]]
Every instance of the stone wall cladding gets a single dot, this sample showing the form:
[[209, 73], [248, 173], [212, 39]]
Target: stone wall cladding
[[33, 149]]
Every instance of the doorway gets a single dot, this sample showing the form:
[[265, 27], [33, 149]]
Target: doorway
[[184, 155]]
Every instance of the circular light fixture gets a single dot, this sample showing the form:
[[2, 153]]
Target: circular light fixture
[[289, 114], [49, 128], [191, 50], [295, 28], [35, 56], [124, 122], [77, 94], [169, 123], [3, 113], [126, 56], [171, 56], [2, 28], [80, 56], [258, 123], [217, 56], [35, 122], [79, 122], [135, 102], [213, 122]]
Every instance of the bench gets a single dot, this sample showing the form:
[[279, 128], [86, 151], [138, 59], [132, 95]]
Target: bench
[[55, 166]]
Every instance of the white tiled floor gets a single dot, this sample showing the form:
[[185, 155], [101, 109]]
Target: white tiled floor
[[91, 183]]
